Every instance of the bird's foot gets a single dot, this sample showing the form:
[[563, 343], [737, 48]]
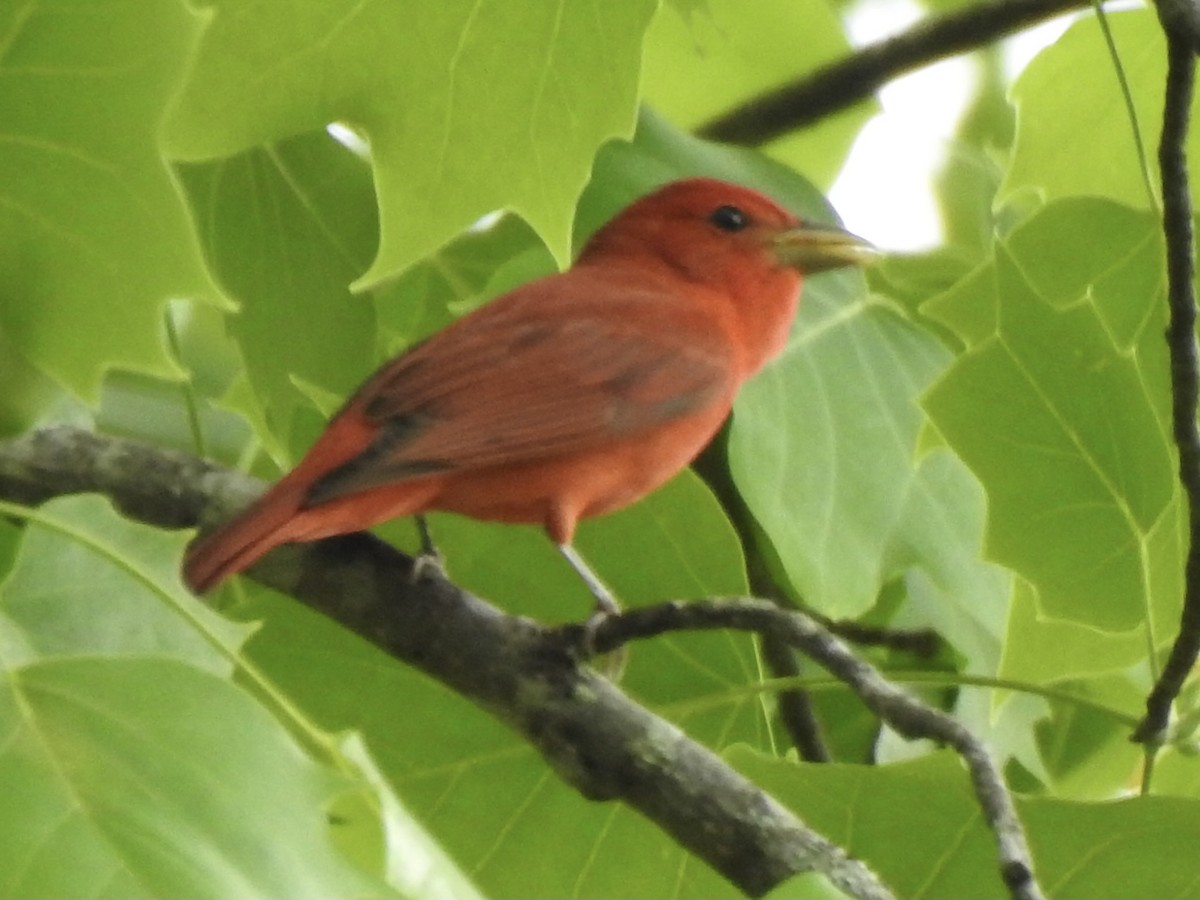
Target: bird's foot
[[612, 664], [428, 563]]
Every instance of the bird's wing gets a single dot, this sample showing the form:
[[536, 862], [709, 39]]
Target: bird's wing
[[510, 386]]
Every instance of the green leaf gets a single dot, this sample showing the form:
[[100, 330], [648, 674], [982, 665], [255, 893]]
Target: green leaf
[[27, 389], [1081, 141], [87, 582], [1085, 742], [822, 448], [915, 823], [286, 228], [1116, 256], [967, 307], [703, 61], [1176, 773], [147, 777], [967, 180], [1061, 416], [1042, 650], [372, 815], [1106, 849], [918, 825], [468, 107], [93, 237], [107, 757]]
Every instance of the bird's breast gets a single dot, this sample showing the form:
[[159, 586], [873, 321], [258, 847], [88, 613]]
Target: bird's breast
[[558, 492]]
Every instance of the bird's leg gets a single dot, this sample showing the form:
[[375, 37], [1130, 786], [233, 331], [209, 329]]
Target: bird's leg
[[606, 603], [429, 559], [428, 548], [613, 665]]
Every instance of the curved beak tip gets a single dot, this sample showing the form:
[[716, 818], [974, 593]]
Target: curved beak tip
[[819, 248]]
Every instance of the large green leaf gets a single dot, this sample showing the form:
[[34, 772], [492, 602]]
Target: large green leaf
[[87, 582], [147, 777], [468, 107], [1060, 412], [1081, 140], [286, 229], [823, 446], [93, 237], [1042, 650], [703, 61], [132, 765], [1085, 737], [918, 825]]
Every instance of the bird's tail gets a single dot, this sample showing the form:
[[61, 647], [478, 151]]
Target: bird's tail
[[240, 542], [285, 514]]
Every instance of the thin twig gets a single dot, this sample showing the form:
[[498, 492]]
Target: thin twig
[[1135, 126], [1179, 22], [921, 642], [857, 77], [908, 716]]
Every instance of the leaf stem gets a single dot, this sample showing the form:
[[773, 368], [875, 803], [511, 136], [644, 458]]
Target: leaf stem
[[188, 388], [1126, 92]]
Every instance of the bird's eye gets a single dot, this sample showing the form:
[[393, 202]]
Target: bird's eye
[[729, 218]]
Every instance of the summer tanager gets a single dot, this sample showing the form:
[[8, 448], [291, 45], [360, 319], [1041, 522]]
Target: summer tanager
[[569, 397]]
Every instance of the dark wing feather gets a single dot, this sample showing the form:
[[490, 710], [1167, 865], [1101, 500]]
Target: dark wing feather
[[508, 385]]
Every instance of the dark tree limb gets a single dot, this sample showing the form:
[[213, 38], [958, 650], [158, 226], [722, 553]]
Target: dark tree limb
[[922, 642], [597, 739], [1181, 23], [859, 76], [793, 705]]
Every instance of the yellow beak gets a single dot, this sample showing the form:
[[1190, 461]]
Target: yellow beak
[[817, 248]]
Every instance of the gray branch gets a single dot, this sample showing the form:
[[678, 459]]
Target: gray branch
[[597, 739], [908, 716]]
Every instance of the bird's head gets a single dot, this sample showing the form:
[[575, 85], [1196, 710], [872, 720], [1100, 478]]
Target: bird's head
[[729, 250], [723, 234]]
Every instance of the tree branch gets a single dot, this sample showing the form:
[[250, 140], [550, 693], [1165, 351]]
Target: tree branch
[[906, 715], [1179, 19], [857, 77], [794, 706], [598, 739]]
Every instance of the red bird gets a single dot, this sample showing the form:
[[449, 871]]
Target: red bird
[[569, 397]]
